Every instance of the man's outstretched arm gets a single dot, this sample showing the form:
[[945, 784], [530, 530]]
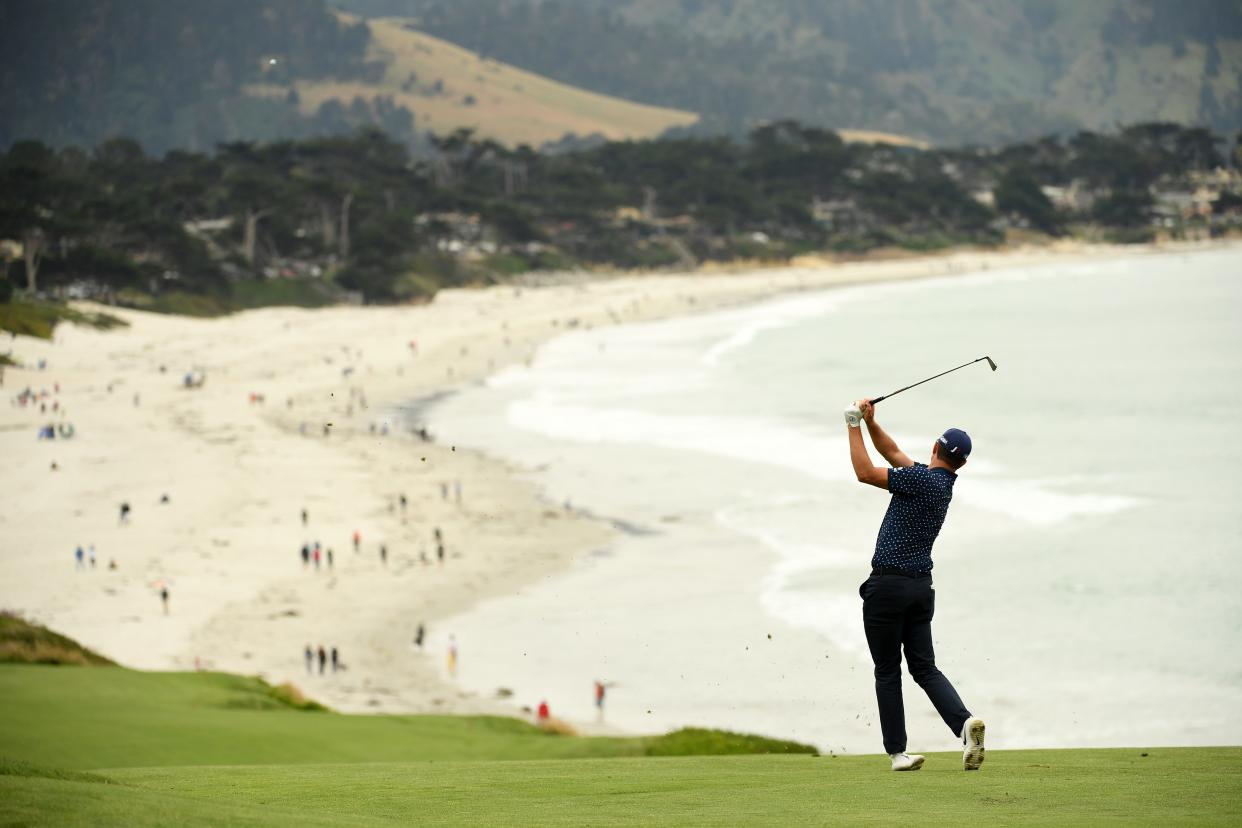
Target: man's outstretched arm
[[883, 443], [863, 468]]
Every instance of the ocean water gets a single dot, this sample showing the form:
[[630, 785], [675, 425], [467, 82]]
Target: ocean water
[[1088, 576]]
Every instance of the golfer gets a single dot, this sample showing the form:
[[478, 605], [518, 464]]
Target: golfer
[[898, 599]]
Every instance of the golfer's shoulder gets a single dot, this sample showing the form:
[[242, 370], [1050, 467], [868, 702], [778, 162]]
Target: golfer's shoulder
[[913, 479]]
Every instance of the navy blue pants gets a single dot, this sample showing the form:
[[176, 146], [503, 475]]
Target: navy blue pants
[[897, 614]]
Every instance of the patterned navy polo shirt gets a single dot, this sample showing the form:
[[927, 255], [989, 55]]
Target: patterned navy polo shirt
[[915, 514]]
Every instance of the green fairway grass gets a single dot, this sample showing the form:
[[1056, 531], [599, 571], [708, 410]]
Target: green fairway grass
[[1071, 787], [109, 746]]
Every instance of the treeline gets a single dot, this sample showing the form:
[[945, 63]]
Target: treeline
[[357, 213]]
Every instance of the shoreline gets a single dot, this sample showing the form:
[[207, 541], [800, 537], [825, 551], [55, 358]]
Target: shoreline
[[228, 541]]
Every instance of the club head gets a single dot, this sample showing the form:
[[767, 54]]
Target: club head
[[990, 362]]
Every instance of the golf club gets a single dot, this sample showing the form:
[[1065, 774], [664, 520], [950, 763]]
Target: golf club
[[929, 379]]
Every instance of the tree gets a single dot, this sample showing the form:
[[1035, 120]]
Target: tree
[[1018, 193], [29, 203]]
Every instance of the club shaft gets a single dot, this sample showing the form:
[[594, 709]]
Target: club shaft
[[929, 379]]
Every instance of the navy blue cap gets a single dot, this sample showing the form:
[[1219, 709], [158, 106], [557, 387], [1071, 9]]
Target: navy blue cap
[[955, 443]]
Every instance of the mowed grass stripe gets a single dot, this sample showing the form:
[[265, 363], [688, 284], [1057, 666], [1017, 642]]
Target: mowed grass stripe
[[1078, 787]]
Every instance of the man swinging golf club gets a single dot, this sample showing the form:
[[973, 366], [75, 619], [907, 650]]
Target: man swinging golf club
[[898, 599]]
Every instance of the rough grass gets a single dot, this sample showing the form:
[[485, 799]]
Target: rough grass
[[694, 741], [24, 642], [112, 717], [39, 319], [300, 293]]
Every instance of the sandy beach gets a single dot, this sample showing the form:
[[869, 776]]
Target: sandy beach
[[301, 410]]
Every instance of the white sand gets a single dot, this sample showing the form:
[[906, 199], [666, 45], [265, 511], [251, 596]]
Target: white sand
[[238, 475]]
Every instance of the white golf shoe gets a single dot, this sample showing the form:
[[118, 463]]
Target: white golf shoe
[[972, 743], [905, 762]]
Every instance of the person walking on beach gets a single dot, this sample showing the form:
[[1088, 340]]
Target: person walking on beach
[[357, 540], [898, 599], [335, 659], [316, 557], [600, 692], [452, 657], [164, 598], [323, 659], [79, 555], [125, 512], [308, 655], [383, 554], [329, 559], [305, 555], [304, 517], [418, 636]]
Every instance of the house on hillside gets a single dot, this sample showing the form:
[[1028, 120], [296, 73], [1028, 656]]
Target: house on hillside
[[835, 213], [1182, 205], [1075, 198]]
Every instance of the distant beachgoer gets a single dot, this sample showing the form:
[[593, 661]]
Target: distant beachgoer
[[404, 503], [383, 554], [164, 598], [440, 552], [418, 637], [315, 555], [436, 534], [305, 555], [125, 512], [444, 491], [452, 657], [304, 517], [79, 555], [357, 540], [165, 499], [329, 559], [335, 660], [112, 563], [323, 659], [544, 713], [90, 553], [309, 656], [600, 692]]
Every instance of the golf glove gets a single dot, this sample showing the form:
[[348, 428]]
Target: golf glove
[[853, 415]]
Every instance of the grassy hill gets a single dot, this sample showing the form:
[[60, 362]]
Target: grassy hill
[[104, 745], [447, 87]]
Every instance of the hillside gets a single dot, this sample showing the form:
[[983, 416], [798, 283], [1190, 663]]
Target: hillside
[[447, 87], [190, 76], [949, 71]]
